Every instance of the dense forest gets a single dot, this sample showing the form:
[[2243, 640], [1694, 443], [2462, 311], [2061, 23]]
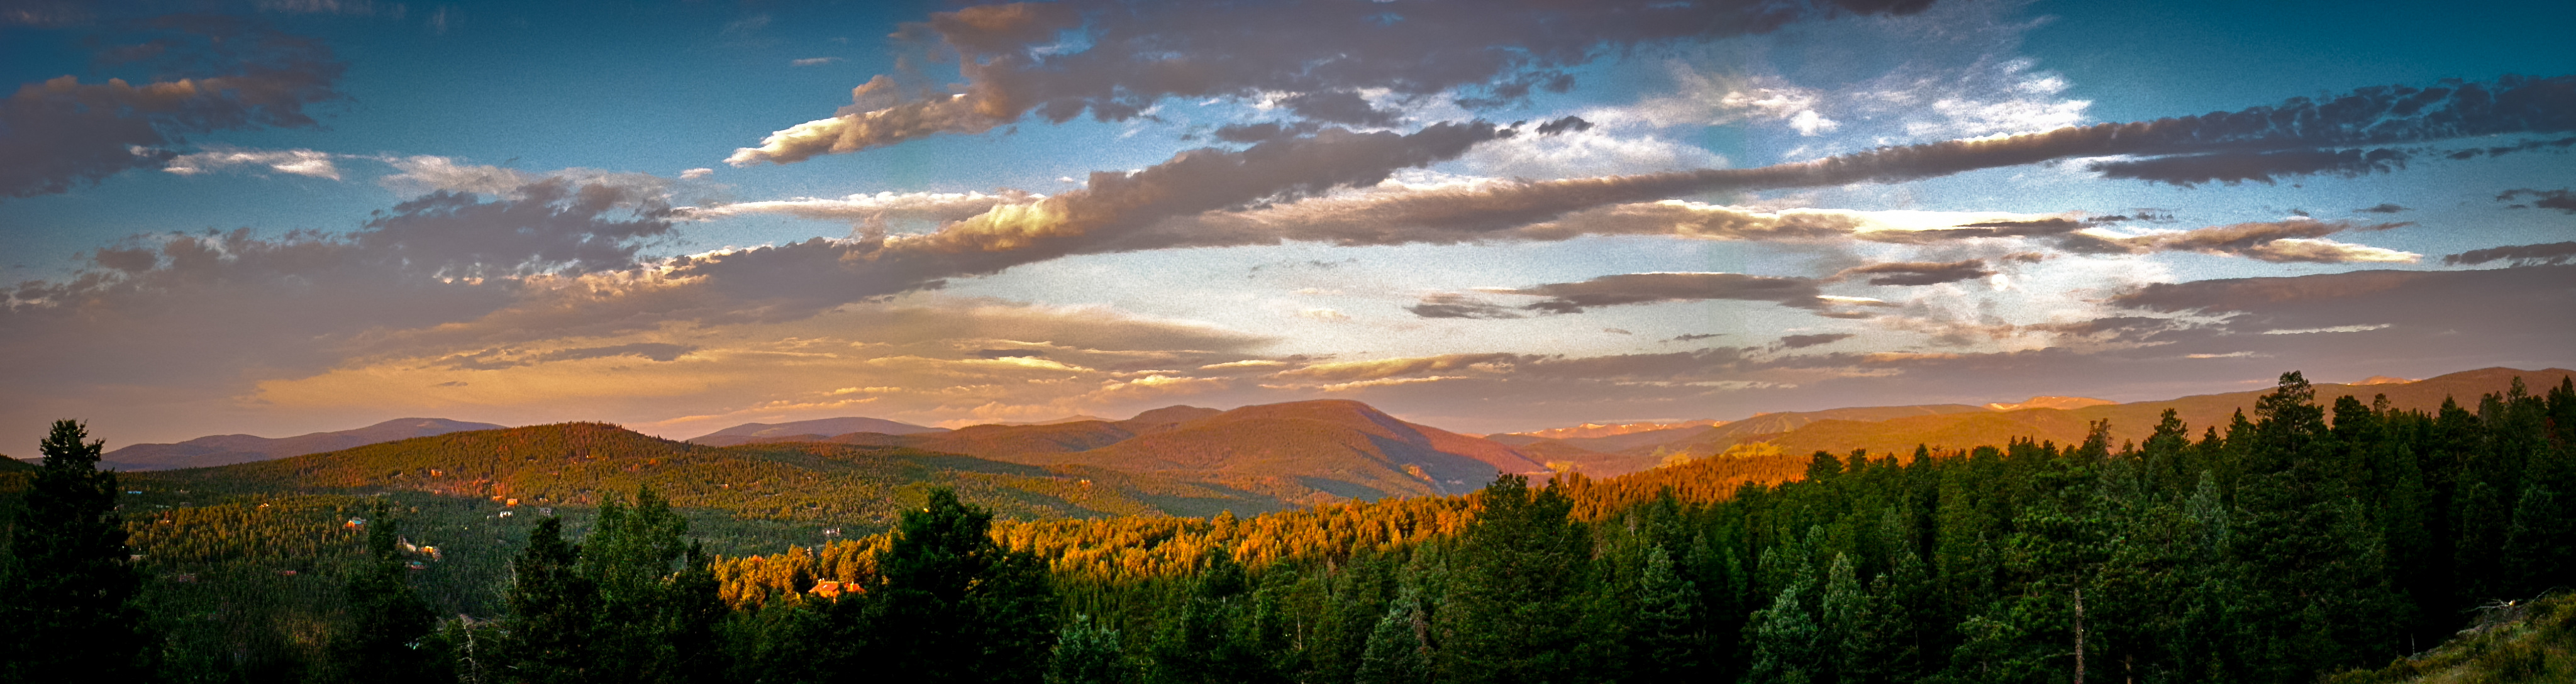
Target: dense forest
[[2298, 541]]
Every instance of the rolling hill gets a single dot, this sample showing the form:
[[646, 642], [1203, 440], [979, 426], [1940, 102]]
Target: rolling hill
[[229, 449], [806, 430], [579, 463], [2129, 422], [10, 464], [1302, 451]]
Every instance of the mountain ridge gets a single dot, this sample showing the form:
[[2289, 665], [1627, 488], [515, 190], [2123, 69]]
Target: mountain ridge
[[216, 450]]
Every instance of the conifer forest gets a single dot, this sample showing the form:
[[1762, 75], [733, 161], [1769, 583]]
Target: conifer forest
[[2301, 541]]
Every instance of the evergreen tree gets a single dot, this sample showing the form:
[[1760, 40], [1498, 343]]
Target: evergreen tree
[[554, 611], [388, 637], [1514, 610], [67, 587], [1785, 640], [1666, 634], [952, 606], [1399, 651], [1086, 653]]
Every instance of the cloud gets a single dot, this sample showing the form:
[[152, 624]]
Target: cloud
[[1453, 305], [300, 162], [2520, 255], [256, 307], [1921, 272], [2366, 117], [874, 209], [496, 359], [2231, 168], [2382, 208], [2559, 199], [1649, 288], [2524, 146], [1805, 341], [697, 174], [62, 133], [1347, 371], [2288, 241], [1314, 56], [813, 61]]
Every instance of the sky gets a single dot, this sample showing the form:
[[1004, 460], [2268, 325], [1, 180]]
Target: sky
[[287, 216]]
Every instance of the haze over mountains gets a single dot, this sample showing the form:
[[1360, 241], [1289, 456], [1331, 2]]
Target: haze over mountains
[[1335, 449], [229, 449]]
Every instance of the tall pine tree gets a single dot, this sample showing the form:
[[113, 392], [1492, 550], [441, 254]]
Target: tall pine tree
[[68, 586]]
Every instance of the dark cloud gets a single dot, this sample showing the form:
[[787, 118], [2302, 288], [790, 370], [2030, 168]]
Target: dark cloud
[[306, 301], [2289, 241], [1805, 341], [2231, 168], [1573, 124], [1649, 288], [61, 133], [1922, 272], [2559, 199], [1323, 51], [2520, 255], [2382, 208], [2367, 117], [495, 359], [1009, 354], [2524, 146], [1337, 106], [1452, 305], [1694, 337]]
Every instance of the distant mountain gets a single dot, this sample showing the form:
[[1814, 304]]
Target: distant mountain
[[1343, 448], [1588, 430], [1295, 450], [814, 429], [2129, 422], [229, 449], [580, 463], [1077, 418], [2050, 403]]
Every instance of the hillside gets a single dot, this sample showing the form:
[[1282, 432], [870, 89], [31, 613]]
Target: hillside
[[229, 449], [2129, 422], [1302, 451], [578, 463], [2530, 641], [1344, 448], [12, 465]]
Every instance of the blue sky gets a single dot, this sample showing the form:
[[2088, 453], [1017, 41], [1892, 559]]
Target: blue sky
[[525, 213]]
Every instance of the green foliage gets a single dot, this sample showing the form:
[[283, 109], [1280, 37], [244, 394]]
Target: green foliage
[[952, 606]]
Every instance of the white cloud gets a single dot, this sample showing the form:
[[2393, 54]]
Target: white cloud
[[813, 61], [301, 162]]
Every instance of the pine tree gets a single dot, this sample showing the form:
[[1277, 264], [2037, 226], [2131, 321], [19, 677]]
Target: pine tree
[[1666, 634], [67, 588], [1785, 640], [1398, 648], [952, 606], [1086, 653], [388, 637], [554, 612], [1514, 609]]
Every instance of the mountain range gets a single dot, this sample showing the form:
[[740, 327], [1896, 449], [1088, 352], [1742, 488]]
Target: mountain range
[[1267, 456], [229, 449]]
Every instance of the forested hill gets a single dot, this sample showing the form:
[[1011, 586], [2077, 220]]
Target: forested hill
[[1957, 427], [1305, 451], [229, 449], [9, 464], [579, 463]]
